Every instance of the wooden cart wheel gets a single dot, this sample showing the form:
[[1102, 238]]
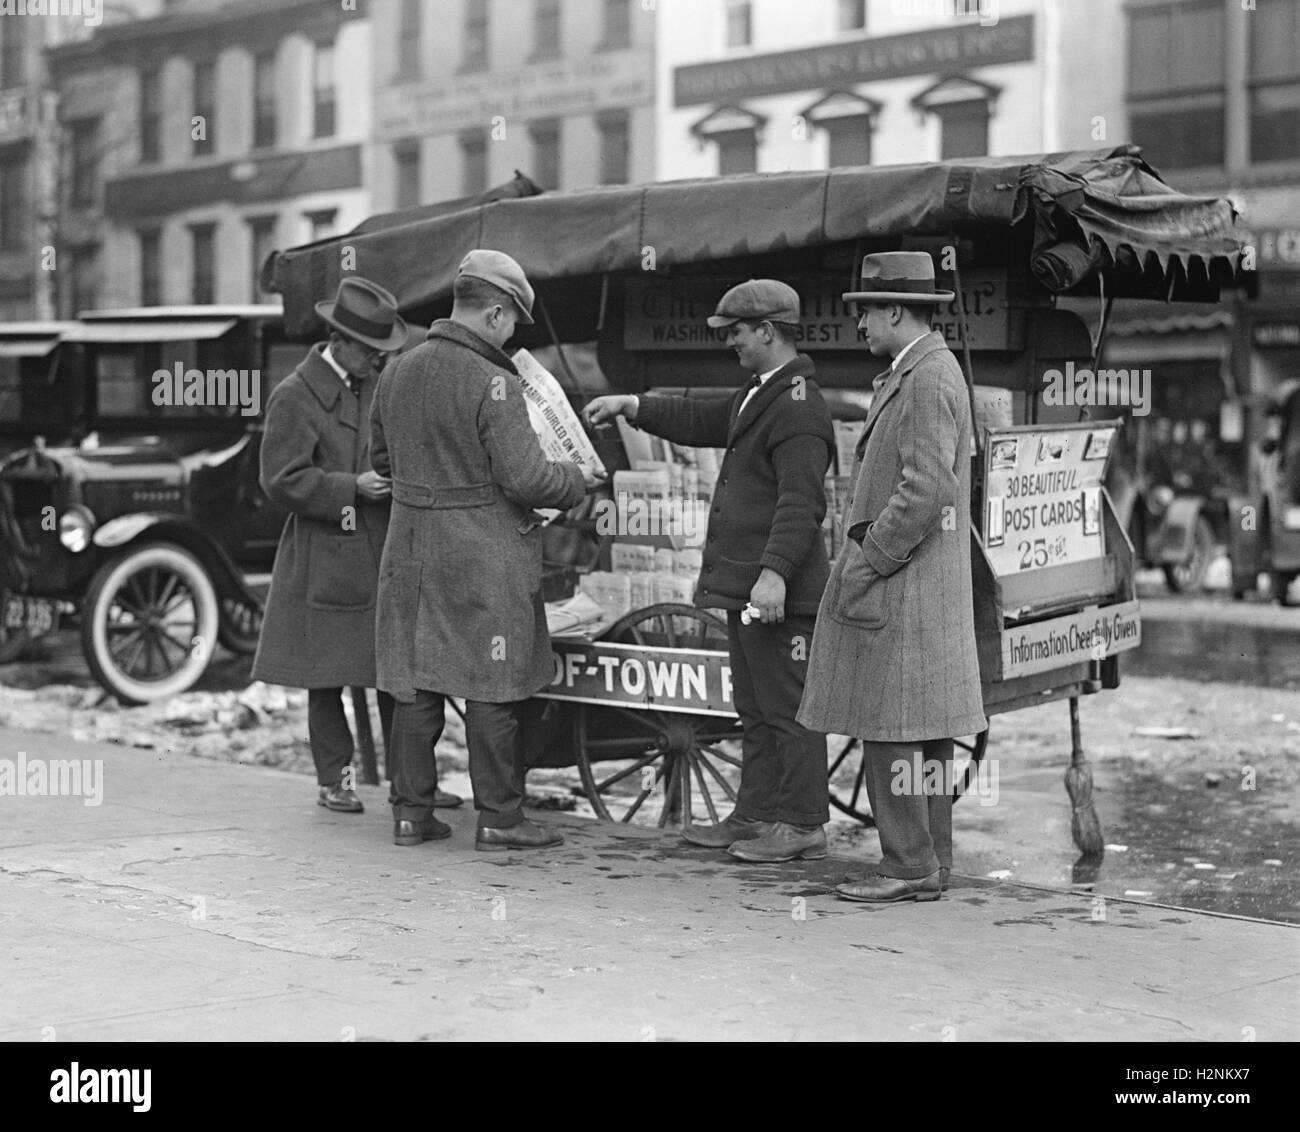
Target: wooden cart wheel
[[674, 766], [848, 790]]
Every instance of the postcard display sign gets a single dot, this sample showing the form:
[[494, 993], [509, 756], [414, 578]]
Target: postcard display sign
[[1043, 512]]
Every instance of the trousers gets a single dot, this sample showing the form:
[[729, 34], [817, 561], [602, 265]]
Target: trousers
[[331, 740], [494, 736], [909, 786], [783, 774]]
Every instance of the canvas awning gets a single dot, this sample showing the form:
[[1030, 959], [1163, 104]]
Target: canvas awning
[[130, 331], [1093, 213]]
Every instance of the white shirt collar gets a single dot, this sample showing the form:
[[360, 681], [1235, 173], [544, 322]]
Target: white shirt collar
[[899, 356], [344, 376]]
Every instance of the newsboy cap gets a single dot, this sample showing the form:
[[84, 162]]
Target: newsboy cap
[[757, 299], [501, 271]]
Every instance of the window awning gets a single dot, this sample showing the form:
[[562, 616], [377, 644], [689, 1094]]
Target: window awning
[[148, 330], [27, 347]]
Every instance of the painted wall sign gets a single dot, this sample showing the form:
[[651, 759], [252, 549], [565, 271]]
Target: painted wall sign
[[935, 50], [669, 313]]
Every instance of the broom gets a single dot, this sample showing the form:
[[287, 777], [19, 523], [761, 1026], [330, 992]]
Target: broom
[[1085, 826]]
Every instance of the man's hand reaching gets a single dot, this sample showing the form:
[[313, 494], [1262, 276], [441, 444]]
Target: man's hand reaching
[[374, 487], [601, 409]]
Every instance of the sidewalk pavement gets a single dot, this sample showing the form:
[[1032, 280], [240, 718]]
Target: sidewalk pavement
[[204, 900]]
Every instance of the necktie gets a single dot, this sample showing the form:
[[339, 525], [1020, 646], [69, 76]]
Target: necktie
[[750, 390]]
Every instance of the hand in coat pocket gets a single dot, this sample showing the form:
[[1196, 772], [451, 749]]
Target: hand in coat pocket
[[861, 598]]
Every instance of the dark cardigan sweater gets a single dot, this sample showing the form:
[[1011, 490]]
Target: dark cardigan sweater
[[770, 497]]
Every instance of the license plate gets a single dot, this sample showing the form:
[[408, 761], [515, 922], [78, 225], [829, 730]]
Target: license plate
[[35, 616]]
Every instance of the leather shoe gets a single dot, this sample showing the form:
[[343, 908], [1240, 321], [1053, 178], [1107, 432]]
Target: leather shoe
[[880, 889], [783, 842], [526, 835], [336, 798], [446, 801], [726, 832], [414, 832]]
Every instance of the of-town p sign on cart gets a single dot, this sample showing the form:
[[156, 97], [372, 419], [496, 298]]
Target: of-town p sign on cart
[[625, 276]]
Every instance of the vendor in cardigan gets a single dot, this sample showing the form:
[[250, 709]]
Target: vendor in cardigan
[[764, 549]]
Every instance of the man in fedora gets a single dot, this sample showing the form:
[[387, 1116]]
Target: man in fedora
[[318, 631], [460, 588], [763, 548], [894, 659]]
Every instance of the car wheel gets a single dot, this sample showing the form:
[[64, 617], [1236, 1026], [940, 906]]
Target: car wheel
[[12, 645], [1189, 574], [1280, 582], [241, 625], [149, 623]]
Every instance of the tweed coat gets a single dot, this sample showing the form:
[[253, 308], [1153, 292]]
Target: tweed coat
[[460, 584], [318, 629], [893, 659]]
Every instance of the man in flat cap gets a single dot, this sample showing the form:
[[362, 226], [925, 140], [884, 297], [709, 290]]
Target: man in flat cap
[[318, 632], [894, 661], [764, 548], [460, 588]]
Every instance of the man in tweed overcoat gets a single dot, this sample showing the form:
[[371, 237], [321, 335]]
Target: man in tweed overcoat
[[894, 660]]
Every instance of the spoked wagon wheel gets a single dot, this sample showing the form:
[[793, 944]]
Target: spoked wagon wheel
[[672, 766], [848, 782]]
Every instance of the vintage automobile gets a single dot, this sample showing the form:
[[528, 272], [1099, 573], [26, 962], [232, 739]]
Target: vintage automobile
[[134, 505], [29, 404]]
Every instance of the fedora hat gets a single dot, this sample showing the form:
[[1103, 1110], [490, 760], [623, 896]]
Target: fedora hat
[[897, 277], [366, 312]]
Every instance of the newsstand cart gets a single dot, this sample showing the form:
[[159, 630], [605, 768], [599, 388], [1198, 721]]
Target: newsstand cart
[[625, 277]]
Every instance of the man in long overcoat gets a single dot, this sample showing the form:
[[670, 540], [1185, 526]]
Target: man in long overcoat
[[460, 605], [318, 631], [894, 660]]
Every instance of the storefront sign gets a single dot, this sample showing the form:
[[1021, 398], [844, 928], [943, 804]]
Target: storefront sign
[[1272, 247], [936, 50], [543, 90], [689, 680], [669, 313], [1089, 635], [1043, 496]]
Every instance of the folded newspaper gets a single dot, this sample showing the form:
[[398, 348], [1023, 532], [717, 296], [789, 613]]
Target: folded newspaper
[[557, 426]]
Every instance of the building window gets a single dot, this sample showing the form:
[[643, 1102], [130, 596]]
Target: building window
[[203, 280], [205, 108], [13, 197], [1176, 82], [321, 222], [545, 137], [85, 278], [264, 126], [734, 131], [408, 39], [261, 239], [150, 114], [615, 147], [740, 29], [406, 174], [964, 107], [323, 95], [546, 29], [618, 25], [476, 36], [852, 15], [1275, 82], [150, 267], [473, 162], [85, 162], [13, 69], [849, 121]]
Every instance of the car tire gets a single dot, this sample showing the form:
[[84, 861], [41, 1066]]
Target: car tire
[[158, 607], [1189, 576], [12, 645], [1279, 583]]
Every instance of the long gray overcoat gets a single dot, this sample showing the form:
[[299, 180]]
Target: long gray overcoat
[[893, 658], [460, 585], [318, 630]]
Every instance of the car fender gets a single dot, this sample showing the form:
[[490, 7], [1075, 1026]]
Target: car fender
[[1175, 538]]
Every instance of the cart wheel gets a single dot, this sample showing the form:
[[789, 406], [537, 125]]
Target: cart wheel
[[847, 776], [677, 766]]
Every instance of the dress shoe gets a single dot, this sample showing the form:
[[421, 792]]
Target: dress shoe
[[446, 801], [879, 889], [414, 832], [337, 798], [783, 842], [726, 832], [526, 835]]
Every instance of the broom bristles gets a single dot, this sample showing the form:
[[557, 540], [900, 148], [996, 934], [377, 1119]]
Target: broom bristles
[[1085, 826]]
